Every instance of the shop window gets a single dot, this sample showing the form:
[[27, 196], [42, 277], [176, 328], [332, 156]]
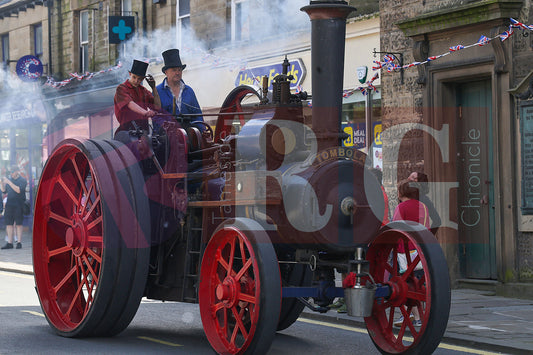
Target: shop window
[[5, 49], [21, 138], [354, 111], [4, 139], [38, 40]]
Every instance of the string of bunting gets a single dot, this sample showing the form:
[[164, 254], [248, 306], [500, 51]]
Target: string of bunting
[[86, 76], [205, 57], [388, 62]]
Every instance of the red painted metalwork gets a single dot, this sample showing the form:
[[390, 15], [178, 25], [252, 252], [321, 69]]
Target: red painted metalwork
[[233, 103], [68, 270]]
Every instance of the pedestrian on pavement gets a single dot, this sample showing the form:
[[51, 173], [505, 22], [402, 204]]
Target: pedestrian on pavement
[[423, 182], [410, 209], [177, 98], [15, 187], [134, 104]]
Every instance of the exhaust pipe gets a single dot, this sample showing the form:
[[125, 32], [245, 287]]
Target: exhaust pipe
[[328, 35]]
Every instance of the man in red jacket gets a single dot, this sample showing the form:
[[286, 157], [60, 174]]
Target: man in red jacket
[[134, 104]]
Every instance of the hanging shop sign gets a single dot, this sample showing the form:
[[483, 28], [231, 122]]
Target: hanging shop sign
[[121, 28], [29, 68], [362, 73]]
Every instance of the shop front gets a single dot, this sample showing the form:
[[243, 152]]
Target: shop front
[[21, 136]]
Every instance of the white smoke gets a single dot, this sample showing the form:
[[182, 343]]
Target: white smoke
[[268, 19]]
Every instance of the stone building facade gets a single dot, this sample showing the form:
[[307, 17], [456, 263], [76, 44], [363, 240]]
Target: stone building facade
[[24, 29], [460, 119]]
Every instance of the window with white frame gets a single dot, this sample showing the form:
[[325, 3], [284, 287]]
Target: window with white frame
[[84, 41], [38, 40], [126, 7], [5, 49], [184, 20], [240, 20]]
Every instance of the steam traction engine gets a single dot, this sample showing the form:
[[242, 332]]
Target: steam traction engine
[[251, 224]]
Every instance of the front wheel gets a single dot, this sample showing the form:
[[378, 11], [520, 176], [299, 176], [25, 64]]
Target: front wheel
[[91, 243], [419, 282], [240, 289]]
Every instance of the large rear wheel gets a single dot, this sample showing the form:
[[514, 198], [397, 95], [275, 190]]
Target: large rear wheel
[[91, 242], [240, 289], [423, 286]]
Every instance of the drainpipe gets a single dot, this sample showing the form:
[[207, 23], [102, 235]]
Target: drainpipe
[[50, 5], [145, 26]]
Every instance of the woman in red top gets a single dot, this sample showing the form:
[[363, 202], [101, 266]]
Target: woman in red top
[[410, 209]]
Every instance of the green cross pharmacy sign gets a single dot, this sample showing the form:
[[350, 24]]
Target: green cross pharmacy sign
[[121, 28]]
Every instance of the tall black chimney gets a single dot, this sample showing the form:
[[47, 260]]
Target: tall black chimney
[[328, 34]]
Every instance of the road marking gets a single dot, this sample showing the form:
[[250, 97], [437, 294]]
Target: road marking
[[14, 274], [159, 341], [410, 339], [34, 313]]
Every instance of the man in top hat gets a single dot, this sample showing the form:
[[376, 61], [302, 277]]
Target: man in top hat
[[15, 187], [133, 102], [177, 98]]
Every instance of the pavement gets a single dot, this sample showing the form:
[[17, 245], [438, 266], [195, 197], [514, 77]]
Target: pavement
[[478, 319]]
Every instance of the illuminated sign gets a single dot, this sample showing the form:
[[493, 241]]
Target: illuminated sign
[[121, 28], [252, 76]]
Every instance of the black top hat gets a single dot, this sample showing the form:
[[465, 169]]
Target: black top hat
[[139, 68], [172, 59]]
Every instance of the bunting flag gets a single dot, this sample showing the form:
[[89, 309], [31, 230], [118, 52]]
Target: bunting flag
[[362, 89], [483, 40], [456, 48], [389, 58], [506, 34], [515, 23], [378, 66]]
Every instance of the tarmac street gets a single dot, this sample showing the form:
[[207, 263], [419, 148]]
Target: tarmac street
[[477, 318]]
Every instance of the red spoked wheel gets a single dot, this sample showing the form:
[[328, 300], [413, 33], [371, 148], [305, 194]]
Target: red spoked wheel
[[426, 290], [91, 243], [240, 289], [233, 103]]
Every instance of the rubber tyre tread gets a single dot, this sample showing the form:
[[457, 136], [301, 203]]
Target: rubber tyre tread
[[133, 271], [291, 308]]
